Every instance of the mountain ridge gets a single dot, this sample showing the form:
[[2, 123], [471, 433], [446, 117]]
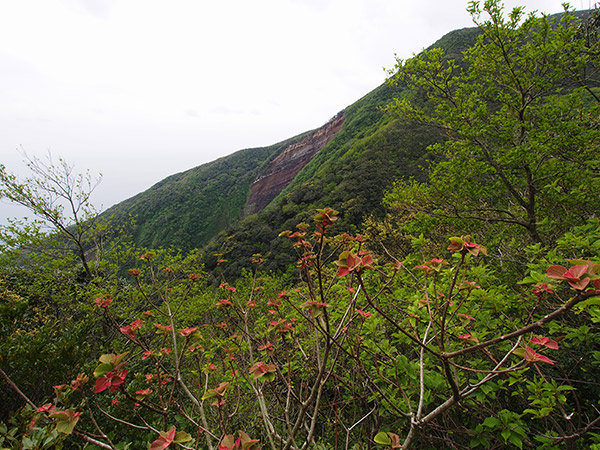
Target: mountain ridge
[[364, 151]]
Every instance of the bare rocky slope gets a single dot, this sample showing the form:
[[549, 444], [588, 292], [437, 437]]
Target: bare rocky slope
[[282, 170]]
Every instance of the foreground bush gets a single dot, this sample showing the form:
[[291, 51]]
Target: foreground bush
[[424, 353]]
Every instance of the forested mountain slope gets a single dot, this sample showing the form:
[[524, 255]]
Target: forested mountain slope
[[366, 151], [187, 209]]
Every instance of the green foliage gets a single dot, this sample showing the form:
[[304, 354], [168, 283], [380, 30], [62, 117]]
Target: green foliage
[[434, 346], [405, 354], [67, 224], [521, 118]]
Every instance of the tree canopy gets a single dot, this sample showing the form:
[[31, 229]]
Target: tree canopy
[[521, 118]]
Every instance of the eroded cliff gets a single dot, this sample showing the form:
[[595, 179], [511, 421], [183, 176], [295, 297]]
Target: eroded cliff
[[281, 171]]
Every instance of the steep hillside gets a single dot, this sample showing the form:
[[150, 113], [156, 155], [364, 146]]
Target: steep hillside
[[251, 195], [187, 209], [350, 174]]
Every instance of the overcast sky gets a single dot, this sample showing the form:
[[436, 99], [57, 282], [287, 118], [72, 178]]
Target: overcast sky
[[141, 89]]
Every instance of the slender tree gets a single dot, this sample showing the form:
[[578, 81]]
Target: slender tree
[[59, 198]]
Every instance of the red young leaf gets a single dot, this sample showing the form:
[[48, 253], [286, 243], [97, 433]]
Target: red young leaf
[[576, 272], [580, 285], [260, 370], [185, 332], [103, 302], [224, 303], [117, 380], [456, 244], [572, 275], [111, 379], [545, 341], [164, 440], [343, 271], [227, 443], [48, 407], [468, 337], [79, 381], [556, 272], [366, 261], [531, 356], [541, 290], [102, 383], [130, 330], [466, 316], [144, 392], [164, 328], [364, 314], [424, 267]]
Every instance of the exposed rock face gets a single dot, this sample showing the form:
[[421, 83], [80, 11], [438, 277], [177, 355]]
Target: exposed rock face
[[282, 170]]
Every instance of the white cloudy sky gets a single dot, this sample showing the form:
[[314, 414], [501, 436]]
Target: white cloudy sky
[[141, 89]]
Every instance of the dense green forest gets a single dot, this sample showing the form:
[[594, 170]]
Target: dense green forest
[[430, 279]]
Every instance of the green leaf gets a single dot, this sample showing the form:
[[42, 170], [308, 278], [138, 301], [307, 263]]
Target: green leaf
[[182, 436], [102, 370], [520, 352], [491, 422], [475, 442], [533, 412], [107, 359], [65, 420], [269, 376], [65, 427], [516, 440], [382, 438], [120, 357], [593, 301], [209, 394]]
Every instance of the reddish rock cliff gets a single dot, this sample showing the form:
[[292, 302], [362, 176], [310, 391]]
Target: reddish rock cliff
[[282, 170]]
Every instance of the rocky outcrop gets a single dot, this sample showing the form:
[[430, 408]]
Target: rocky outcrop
[[282, 170]]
